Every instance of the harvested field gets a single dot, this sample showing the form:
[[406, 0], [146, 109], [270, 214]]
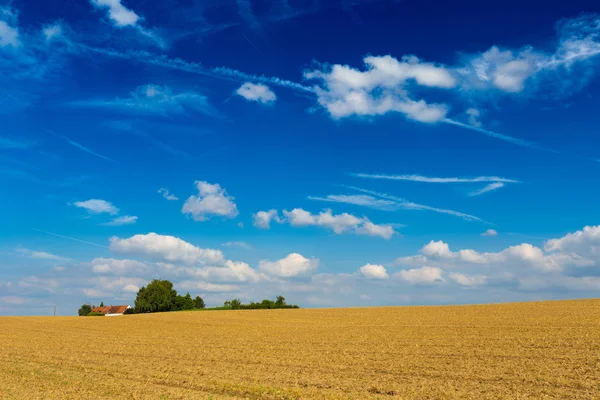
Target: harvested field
[[545, 350]]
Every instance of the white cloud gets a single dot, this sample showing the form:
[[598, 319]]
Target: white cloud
[[293, 265], [40, 255], [111, 265], [117, 12], [53, 31], [523, 258], [96, 206], [421, 276], [262, 219], [169, 196], [374, 271], [473, 117], [490, 232], [124, 220], [257, 92], [346, 91], [212, 200], [488, 188], [131, 288], [340, 223], [206, 286], [585, 242], [9, 35], [168, 248], [467, 280], [154, 99]]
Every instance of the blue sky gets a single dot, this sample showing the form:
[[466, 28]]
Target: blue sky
[[341, 153]]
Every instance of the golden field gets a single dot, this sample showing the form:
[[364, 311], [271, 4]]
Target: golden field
[[545, 350]]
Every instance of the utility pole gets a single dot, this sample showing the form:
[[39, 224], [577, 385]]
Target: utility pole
[[55, 310]]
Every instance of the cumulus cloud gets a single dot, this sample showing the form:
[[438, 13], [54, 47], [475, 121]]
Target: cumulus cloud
[[345, 91], [124, 220], [154, 100], [293, 265], [262, 219], [167, 248], [97, 206], [257, 92], [467, 280], [338, 223], [212, 200], [578, 250], [167, 195], [585, 242], [490, 232], [421, 276], [374, 271]]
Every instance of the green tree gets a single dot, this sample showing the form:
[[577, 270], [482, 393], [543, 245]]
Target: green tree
[[158, 296], [199, 302], [85, 310], [280, 302], [227, 304], [183, 303], [101, 304], [236, 304]]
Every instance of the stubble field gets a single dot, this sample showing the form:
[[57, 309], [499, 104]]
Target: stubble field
[[546, 350]]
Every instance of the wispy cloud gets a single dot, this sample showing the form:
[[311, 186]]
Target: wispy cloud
[[488, 188], [401, 203], [12, 143], [124, 220], [71, 238], [40, 255], [97, 206], [154, 99], [245, 11], [82, 147], [122, 17], [256, 92], [169, 196], [243, 245], [427, 179], [510, 139], [359, 200]]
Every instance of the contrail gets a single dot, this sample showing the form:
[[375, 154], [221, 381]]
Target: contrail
[[83, 148], [71, 238]]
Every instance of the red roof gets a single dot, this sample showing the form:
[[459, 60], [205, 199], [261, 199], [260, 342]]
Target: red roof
[[110, 309]]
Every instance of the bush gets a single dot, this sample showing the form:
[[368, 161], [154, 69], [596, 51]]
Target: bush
[[129, 311], [95, 314]]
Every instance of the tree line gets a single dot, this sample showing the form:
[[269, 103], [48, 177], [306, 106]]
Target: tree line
[[160, 296]]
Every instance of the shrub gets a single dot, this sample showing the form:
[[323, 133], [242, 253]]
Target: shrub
[[199, 302], [95, 314]]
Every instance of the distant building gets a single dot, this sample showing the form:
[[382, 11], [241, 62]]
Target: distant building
[[110, 311]]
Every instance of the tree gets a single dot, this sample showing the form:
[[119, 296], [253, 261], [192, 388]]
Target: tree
[[183, 303], [236, 304], [85, 310], [101, 304], [227, 304], [199, 302], [158, 296], [280, 302]]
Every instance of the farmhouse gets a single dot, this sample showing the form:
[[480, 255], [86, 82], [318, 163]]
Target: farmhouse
[[110, 311]]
